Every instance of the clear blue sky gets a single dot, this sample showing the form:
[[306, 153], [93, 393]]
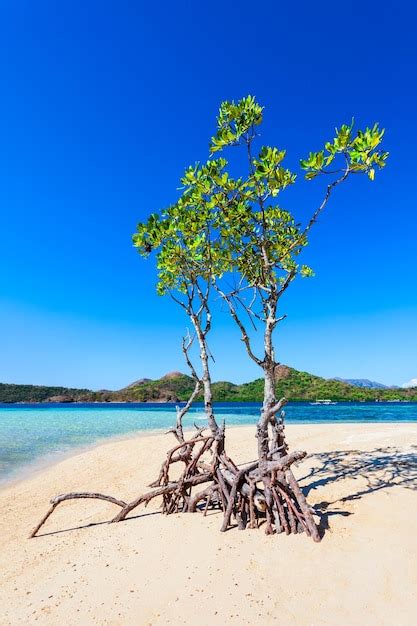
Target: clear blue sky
[[102, 106]]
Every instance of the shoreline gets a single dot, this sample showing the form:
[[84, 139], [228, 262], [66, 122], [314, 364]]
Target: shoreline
[[156, 403], [37, 466], [51, 459]]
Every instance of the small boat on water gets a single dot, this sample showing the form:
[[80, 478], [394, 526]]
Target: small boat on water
[[323, 402]]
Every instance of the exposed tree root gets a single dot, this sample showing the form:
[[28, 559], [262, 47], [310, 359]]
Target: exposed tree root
[[247, 494], [74, 496]]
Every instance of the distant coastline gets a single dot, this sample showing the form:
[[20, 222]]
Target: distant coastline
[[172, 404], [176, 387]]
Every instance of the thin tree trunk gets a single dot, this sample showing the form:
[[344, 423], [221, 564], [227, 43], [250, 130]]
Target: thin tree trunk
[[206, 378]]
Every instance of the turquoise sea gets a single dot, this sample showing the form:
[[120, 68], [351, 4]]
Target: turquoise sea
[[33, 433]]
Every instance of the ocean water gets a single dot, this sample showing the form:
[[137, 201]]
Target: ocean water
[[32, 433]]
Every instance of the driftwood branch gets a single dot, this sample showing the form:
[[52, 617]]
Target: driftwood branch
[[74, 496], [166, 489]]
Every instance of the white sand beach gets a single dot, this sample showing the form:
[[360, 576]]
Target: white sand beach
[[180, 569]]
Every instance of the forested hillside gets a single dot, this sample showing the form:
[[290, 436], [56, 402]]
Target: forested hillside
[[175, 387]]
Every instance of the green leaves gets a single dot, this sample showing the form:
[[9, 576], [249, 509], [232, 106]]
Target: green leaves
[[183, 236], [314, 163], [357, 154], [235, 120], [306, 272], [221, 224], [268, 172], [343, 136]]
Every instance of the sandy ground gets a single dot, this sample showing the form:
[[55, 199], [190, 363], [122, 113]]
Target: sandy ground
[[181, 570]]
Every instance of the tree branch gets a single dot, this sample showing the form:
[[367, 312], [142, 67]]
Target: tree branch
[[244, 335], [316, 214]]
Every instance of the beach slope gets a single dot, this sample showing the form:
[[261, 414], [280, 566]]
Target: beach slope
[[181, 570]]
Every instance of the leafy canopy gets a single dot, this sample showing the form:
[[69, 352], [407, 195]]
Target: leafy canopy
[[223, 224], [182, 236], [360, 152]]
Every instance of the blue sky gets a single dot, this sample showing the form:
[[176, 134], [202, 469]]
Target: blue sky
[[103, 105]]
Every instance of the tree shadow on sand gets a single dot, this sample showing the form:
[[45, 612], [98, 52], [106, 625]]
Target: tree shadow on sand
[[94, 524], [380, 468]]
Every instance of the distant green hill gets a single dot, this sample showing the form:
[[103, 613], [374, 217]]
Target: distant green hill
[[170, 388], [174, 387], [302, 386], [38, 393]]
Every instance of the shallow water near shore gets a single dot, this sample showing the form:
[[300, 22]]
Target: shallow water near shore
[[30, 433]]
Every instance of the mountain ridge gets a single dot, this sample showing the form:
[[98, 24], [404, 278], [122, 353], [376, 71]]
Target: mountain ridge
[[364, 382]]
